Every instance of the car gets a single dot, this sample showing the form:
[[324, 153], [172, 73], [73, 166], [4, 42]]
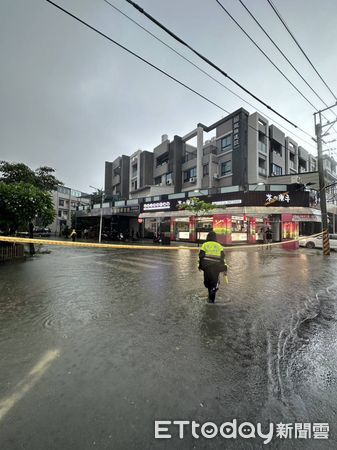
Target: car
[[41, 232], [317, 242]]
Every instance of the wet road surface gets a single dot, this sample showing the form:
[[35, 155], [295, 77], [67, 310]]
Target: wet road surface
[[96, 345]]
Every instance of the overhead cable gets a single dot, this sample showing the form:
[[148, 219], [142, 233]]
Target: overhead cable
[[282, 53], [181, 41], [265, 55], [206, 73], [299, 46], [142, 59]]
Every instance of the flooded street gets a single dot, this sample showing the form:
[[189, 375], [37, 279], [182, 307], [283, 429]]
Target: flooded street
[[97, 344]]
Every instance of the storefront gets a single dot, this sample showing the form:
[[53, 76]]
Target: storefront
[[237, 218]]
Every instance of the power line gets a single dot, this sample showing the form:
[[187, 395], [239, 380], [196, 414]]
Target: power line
[[143, 59], [298, 45], [136, 55], [265, 55], [204, 72], [181, 41], [286, 58], [282, 53]]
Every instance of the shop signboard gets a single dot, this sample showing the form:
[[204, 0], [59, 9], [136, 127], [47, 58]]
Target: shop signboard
[[232, 199]]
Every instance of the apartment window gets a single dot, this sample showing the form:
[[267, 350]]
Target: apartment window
[[277, 148], [292, 157], [59, 213], [205, 169], [134, 170], [262, 142], [276, 170], [61, 202], [162, 159], [226, 168], [134, 185], [157, 180], [168, 178], [291, 146], [189, 155], [226, 143], [191, 173], [117, 171]]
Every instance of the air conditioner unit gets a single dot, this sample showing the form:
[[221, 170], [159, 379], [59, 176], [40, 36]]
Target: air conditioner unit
[[193, 180], [168, 181], [216, 176]]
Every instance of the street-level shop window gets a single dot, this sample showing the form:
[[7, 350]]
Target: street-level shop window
[[276, 170], [226, 143], [205, 169], [226, 168]]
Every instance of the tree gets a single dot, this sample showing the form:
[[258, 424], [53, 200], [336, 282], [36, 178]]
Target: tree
[[199, 209], [25, 195]]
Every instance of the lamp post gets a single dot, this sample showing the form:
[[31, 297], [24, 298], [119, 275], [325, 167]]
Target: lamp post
[[101, 218]]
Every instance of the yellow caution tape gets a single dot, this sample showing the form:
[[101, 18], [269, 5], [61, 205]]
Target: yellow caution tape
[[19, 240]]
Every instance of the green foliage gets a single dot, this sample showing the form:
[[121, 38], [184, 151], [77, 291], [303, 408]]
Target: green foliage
[[198, 207], [42, 177], [20, 203], [25, 195]]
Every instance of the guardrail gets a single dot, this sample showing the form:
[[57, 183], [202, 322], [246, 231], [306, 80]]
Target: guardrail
[[9, 251]]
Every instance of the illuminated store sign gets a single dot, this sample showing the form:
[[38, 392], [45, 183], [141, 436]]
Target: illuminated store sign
[[237, 201], [277, 198], [157, 205]]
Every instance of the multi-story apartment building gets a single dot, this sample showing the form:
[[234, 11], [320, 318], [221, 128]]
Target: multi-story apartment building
[[66, 202], [141, 172], [117, 178]]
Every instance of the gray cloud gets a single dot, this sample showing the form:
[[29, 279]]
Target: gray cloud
[[72, 100]]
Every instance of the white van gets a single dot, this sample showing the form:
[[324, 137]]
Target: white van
[[317, 242]]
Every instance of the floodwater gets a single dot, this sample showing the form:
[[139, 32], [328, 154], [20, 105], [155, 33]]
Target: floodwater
[[96, 345]]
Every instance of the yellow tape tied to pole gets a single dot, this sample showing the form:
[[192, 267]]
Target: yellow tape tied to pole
[[15, 239]]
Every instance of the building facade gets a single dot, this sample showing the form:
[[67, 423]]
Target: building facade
[[66, 202]]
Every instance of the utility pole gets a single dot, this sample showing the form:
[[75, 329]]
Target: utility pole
[[319, 138]]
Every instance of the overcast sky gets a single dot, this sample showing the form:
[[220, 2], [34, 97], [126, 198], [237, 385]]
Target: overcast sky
[[71, 100]]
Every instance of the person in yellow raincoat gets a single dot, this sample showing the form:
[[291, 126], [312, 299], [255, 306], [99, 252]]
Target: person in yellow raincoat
[[212, 263]]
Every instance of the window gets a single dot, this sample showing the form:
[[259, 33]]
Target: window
[[262, 167], [262, 142], [168, 178], [226, 143], [59, 213], [276, 170], [189, 155], [162, 159], [261, 123], [226, 168], [61, 202], [157, 180], [276, 147], [191, 173], [134, 185], [205, 169], [134, 170]]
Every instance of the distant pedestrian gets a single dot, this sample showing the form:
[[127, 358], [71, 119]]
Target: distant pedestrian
[[132, 234], [268, 237], [85, 233], [73, 235]]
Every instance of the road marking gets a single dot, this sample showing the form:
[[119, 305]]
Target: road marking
[[118, 267], [28, 382]]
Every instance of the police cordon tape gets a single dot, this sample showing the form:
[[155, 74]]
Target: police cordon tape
[[18, 240]]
